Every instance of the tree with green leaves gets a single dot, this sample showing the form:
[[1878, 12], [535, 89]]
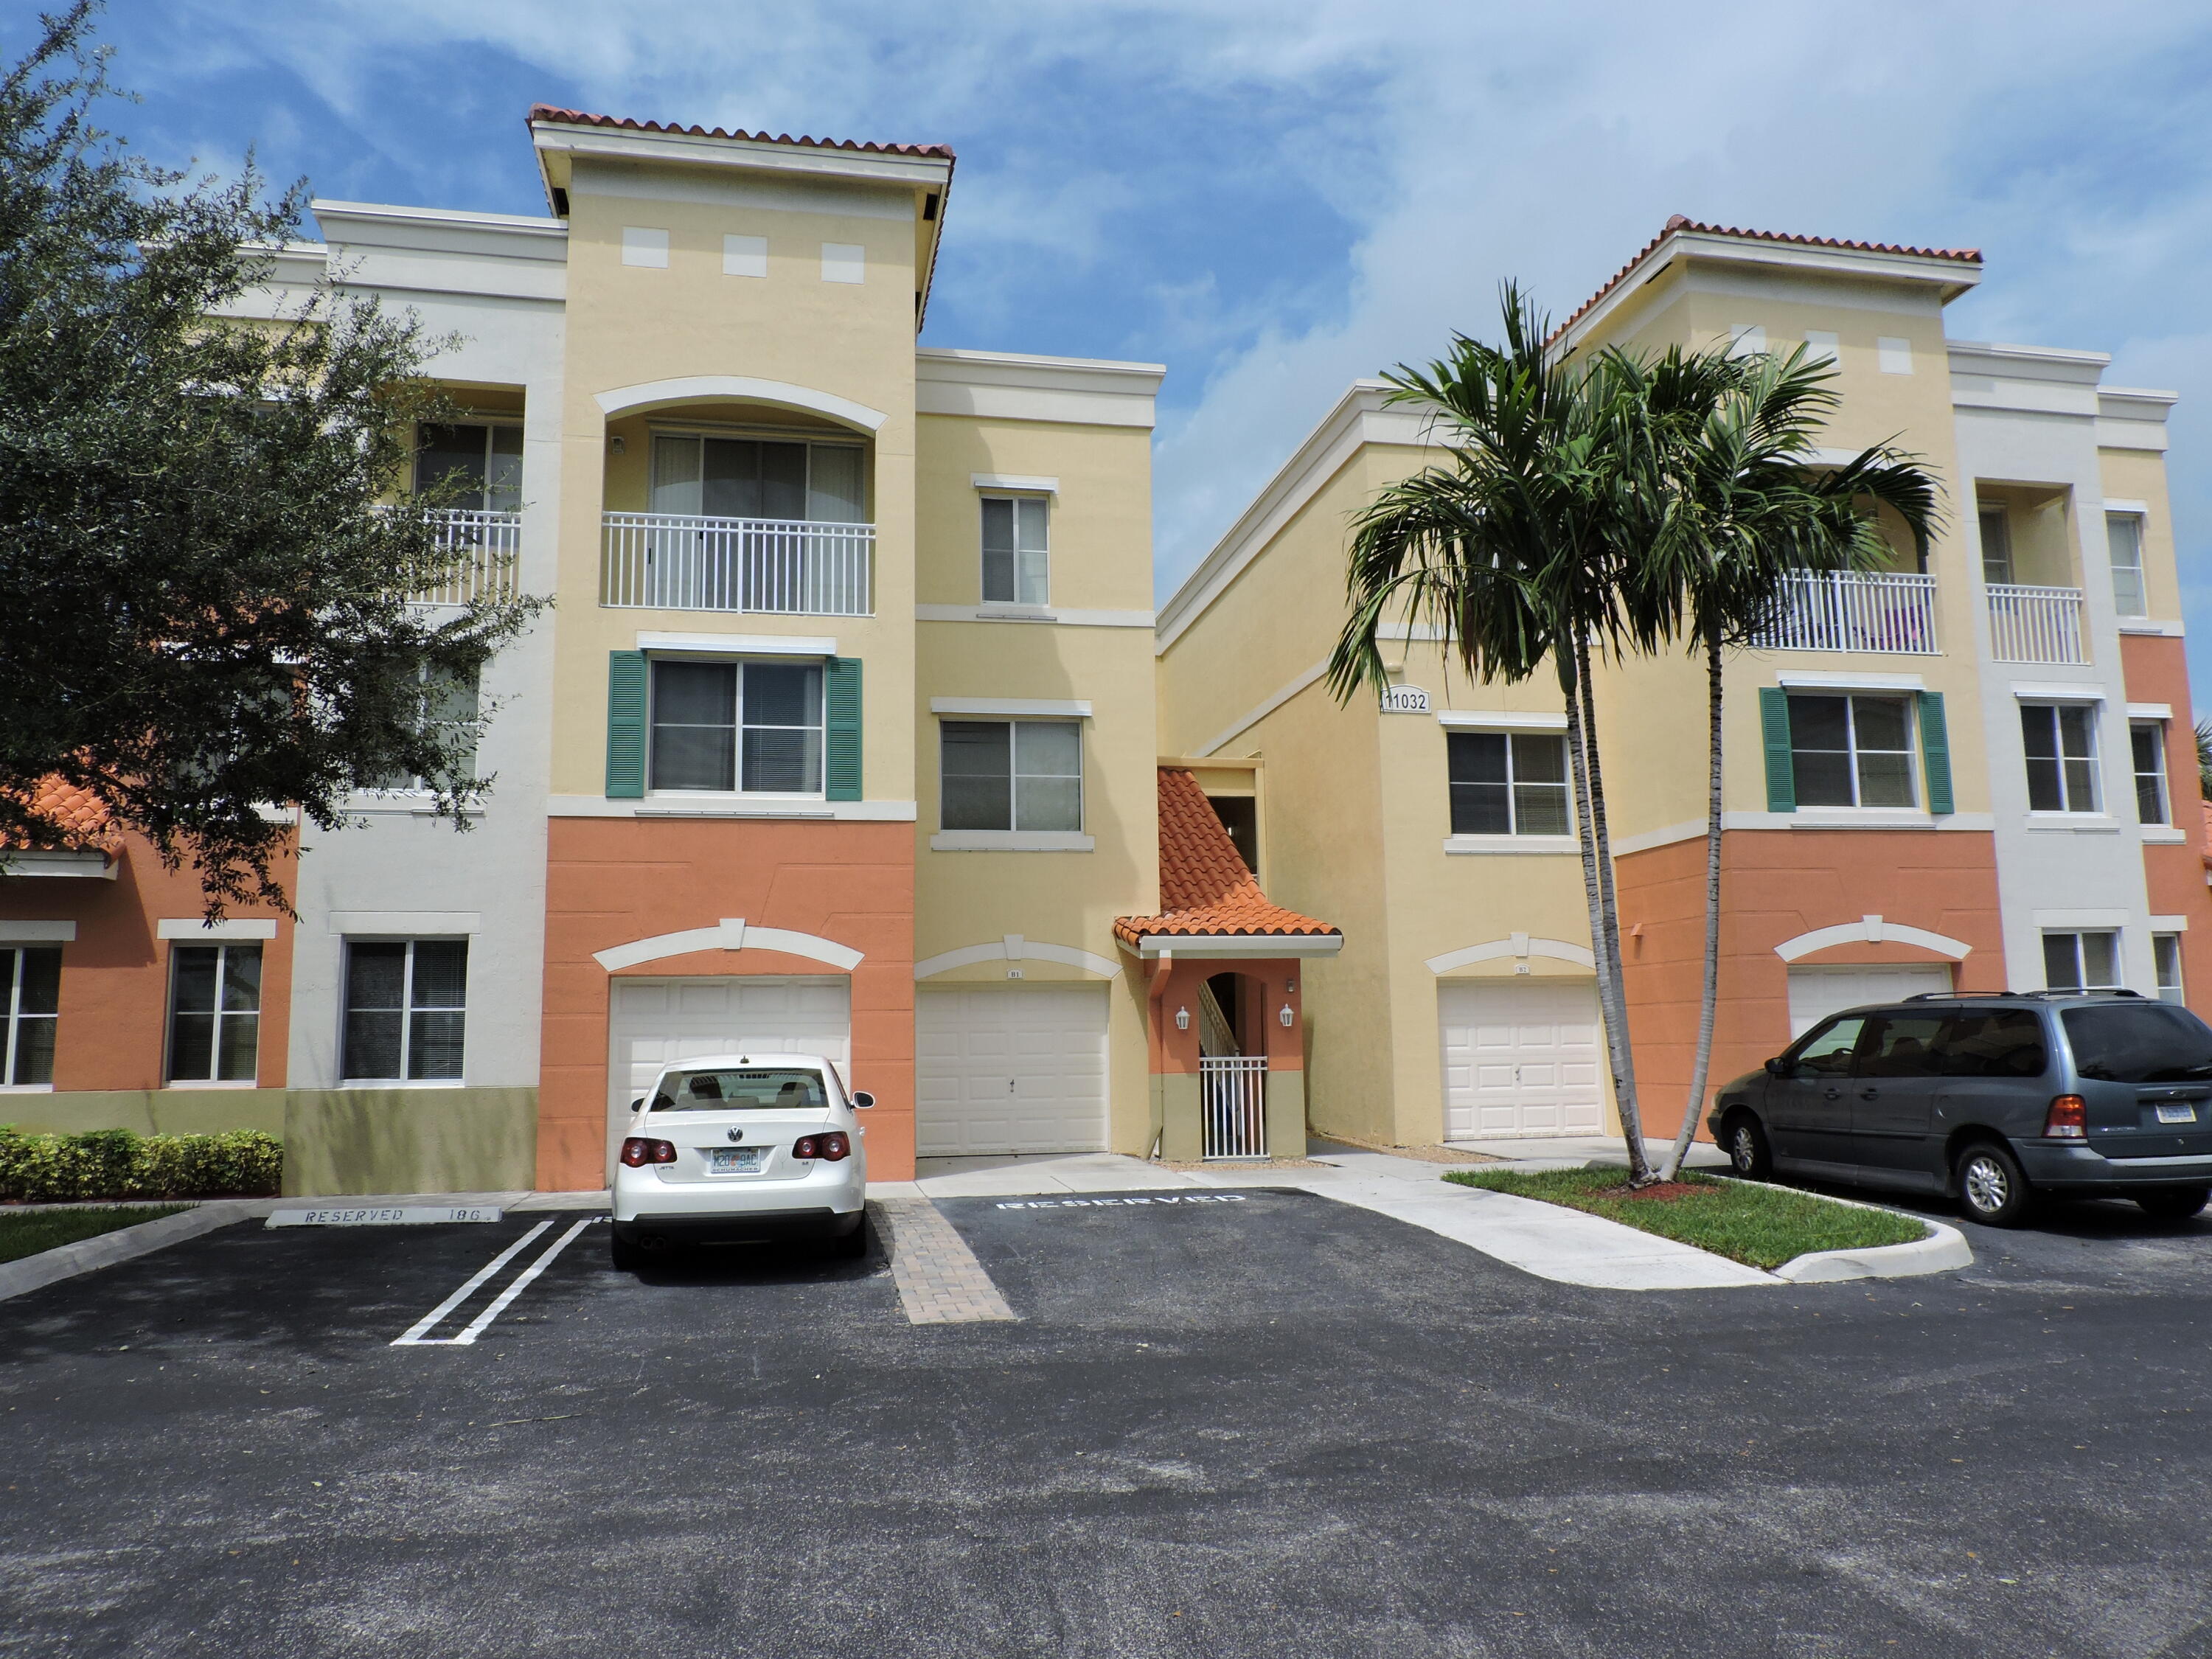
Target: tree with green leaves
[[1751, 511], [203, 570], [1515, 550]]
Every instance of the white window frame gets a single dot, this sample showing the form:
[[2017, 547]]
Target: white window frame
[[2094, 759], [2081, 970], [741, 663], [1513, 831], [1041, 502], [219, 1015], [407, 1012], [1916, 799], [2121, 606], [1014, 835], [2166, 958], [11, 1022], [2155, 776]]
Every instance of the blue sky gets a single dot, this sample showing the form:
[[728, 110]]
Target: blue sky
[[1275, 197]]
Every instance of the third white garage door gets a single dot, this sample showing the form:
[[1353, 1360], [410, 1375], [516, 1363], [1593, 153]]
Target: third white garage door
[[1018, 1070], [1520, 1058]]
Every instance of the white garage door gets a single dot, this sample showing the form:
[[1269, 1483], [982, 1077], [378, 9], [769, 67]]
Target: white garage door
[[1816, 992], [1020, 1070], [1520, 1058], [654, 1021]]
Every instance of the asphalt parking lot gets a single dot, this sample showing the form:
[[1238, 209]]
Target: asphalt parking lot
[[1276, 1427]]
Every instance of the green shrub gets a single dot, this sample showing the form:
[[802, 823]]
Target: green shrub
[[106, 1163]]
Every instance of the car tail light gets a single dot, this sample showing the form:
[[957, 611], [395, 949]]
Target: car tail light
[[637, 1152], [2069, 1119], [828, 1146]]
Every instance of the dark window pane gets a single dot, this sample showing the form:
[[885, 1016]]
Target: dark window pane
[[241, 978], [504, 480], [695, 693], [1049, 804], [1822, 780], [2076, 731], [433, 1048], [1885, 780], [1878, 722], [1540, 809], [694, 712], [1820, 723], [1991, 1045], [2081, 786], [42, 981], [977, 771], [193, 975], [2061, 962], [191, 1045], [241, 1037], [34, 1049], [1476, 756], [376, 977], [688, 757], [783, 694], [372, 1044], [1539, 759], [783, 481], [730, 488], [2038, 730], [454, 452], [782, 761], [1481, 809], [2043, 792], [441, 973]]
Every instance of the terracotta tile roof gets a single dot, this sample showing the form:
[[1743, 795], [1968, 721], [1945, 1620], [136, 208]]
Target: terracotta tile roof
[[1681, 222], [576, 117], [85, 825], [1205, 889]]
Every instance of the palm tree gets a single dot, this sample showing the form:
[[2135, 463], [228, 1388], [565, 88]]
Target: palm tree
[[1514, 548], [1751, 507]]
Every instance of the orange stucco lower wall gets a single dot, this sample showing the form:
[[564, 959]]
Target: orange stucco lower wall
[[1264, 988], [114, 1008], [2157, 671], [1775, 885], [613, 881]]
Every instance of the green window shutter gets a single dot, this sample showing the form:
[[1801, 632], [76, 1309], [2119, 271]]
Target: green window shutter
[[625, 725], [841, 711], [1774, 722], [1936, 752]]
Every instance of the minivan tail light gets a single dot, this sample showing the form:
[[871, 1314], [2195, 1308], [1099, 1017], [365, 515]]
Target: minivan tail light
[[2069, 1119], [637, 1152], [828, 1146]]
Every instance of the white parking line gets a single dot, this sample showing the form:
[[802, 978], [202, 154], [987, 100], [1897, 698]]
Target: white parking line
[[521, 1283], [416, 1335]]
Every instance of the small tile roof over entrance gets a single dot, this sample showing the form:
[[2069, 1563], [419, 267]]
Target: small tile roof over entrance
[[83, 817], [576, 117], [1205, 891]]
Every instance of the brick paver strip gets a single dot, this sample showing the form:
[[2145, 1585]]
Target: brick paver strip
[[939, 1280]]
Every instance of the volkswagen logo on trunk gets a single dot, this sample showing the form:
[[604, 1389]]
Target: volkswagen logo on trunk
[[737, 1134]]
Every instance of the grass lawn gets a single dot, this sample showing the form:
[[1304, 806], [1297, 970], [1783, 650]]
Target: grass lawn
[[26, 1232], [1764, 1226]]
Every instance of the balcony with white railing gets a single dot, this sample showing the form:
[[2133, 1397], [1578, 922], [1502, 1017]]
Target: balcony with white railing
[[491, 543], [777, 567], [2036, 625], [1891, 613]]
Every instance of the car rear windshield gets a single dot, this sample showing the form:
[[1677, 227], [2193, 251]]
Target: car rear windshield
[[2139, 1042], [725, 1089]]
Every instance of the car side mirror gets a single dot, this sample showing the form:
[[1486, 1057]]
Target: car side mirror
[[637, 1104], [862, 1098], [1777, 1067]]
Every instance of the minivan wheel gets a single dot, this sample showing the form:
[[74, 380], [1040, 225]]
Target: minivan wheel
[[1992, 1188], [2173, 1203], [1747, 1151]]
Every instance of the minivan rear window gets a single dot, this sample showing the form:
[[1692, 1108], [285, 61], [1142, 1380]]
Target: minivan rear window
[[2139, 1042], [725, 1089]]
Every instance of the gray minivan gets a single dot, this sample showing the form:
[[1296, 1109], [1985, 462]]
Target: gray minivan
[[1995, 1100]]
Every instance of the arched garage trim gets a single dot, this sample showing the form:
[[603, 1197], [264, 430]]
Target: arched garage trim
[[730, 934], [695, 388], [1515, 945], [1014, 948], [1871, 930]]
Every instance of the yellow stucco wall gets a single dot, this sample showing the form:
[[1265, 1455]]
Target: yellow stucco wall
[[2139, 475]]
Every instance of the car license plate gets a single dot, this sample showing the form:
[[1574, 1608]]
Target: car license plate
[[2176, 1115], [735, 1160]]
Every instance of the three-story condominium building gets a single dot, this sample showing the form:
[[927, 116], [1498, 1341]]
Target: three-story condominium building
[[1974, 772]]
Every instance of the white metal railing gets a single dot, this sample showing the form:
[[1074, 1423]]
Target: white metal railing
[[2035, 624], [1854, 611], [673, 561], [1232, 1100], [493, 544]]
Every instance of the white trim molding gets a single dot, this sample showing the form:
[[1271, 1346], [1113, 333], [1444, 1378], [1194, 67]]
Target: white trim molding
[[731, 933], [427, 924], [2171, 630], [741, 645], [97, 865], [1046, 708], [2169, 924], [2066, 920], [2150, 711], [2121, 504], [193, 928], [1014, 948], [1815, 679], [37, 932], [1502, 720], [1872, 930], [1014, 481], [695, 388], [1247, 945], [1460, 846], [2080, 691], [1062, 616], [1519, 946], [1010, 840]]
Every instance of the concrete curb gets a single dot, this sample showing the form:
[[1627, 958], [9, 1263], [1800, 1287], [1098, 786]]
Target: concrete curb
[[1944, 1250]]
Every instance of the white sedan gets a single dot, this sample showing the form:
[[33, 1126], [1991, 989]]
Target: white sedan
[[742, 1147]]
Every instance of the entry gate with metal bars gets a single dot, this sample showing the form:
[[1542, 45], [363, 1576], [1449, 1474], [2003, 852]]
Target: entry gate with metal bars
[[1232, 1094]]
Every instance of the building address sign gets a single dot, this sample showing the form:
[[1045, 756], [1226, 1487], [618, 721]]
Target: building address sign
[[1405, 700]]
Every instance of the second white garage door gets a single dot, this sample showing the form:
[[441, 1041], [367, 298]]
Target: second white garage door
[[1816, 992], [1020, 1070], [1520, 1058]]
